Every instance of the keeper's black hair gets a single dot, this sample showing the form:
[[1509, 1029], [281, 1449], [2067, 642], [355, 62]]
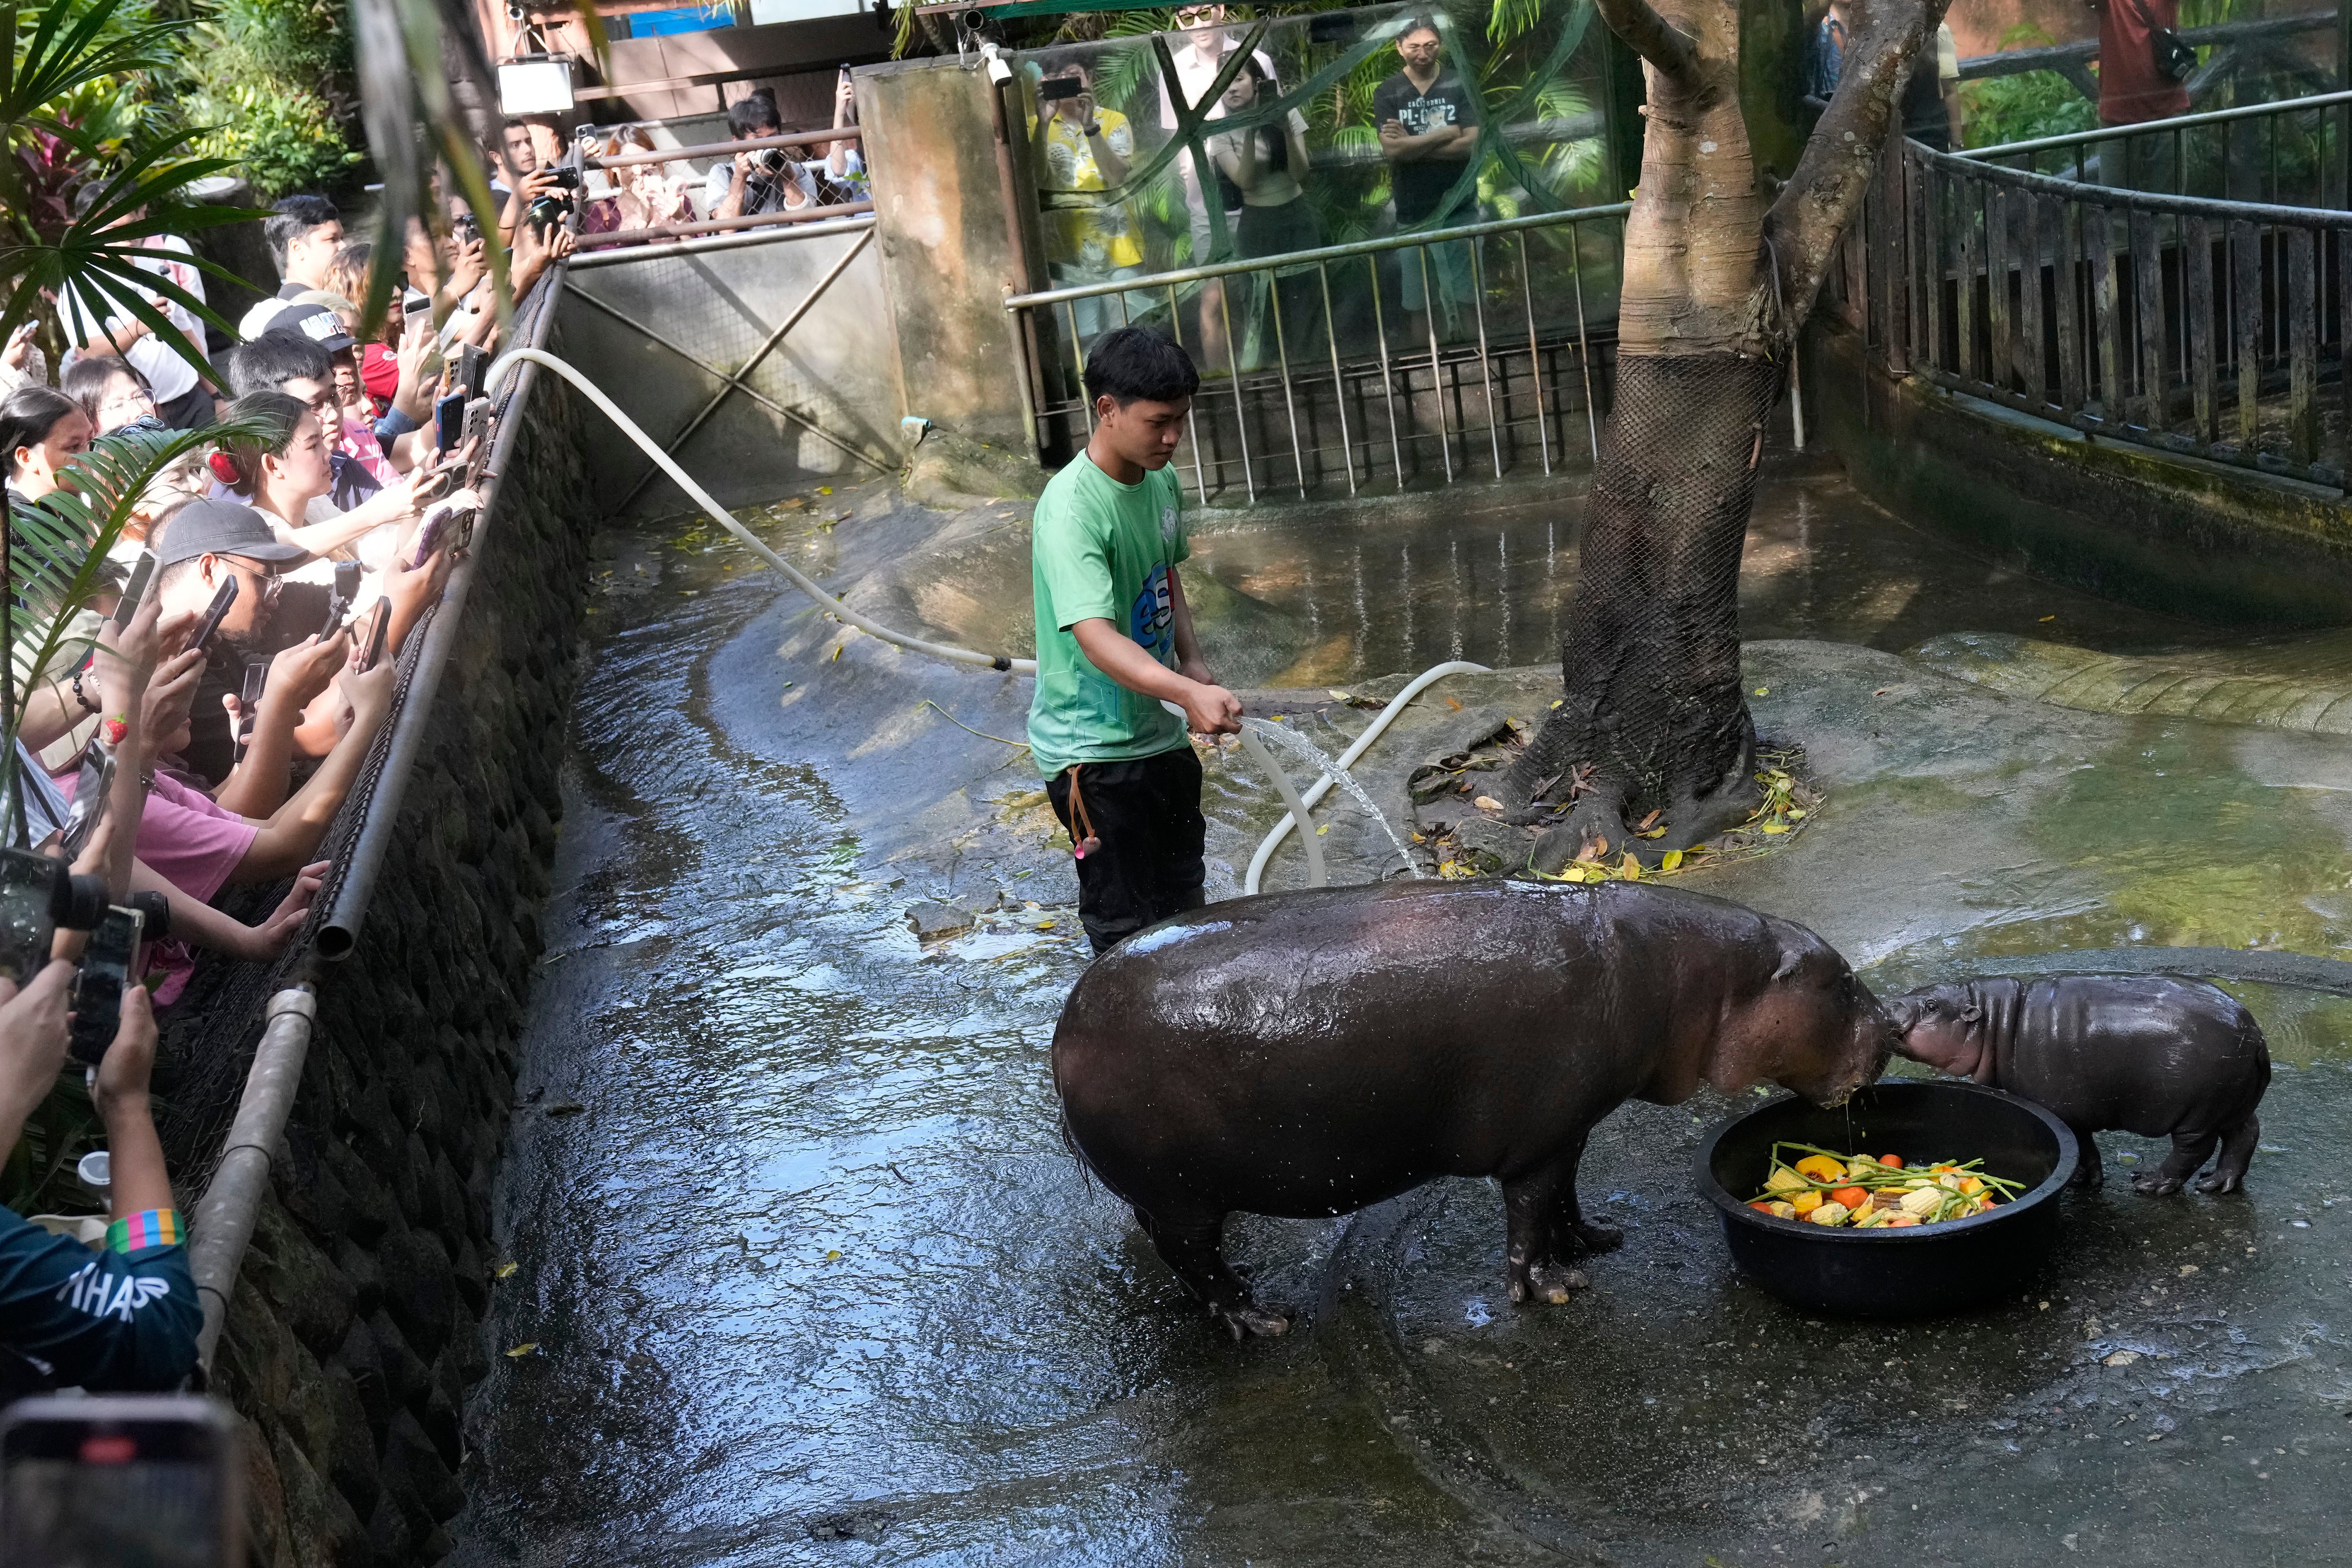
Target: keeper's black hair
[[1134, 362]]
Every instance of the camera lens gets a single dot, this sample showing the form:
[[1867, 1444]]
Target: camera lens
[[78, 903]]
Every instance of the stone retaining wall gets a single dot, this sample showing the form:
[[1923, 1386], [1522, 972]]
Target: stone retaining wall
[[354, 1331], [2168, 532]]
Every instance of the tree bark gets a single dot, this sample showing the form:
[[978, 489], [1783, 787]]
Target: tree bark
[[1654, 718]]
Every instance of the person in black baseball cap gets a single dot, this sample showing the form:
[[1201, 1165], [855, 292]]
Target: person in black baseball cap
[[316, 322]]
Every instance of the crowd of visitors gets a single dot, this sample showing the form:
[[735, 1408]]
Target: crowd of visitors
[[288, 557]]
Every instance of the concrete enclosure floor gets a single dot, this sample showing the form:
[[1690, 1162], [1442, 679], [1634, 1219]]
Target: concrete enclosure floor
[[806, 1275]]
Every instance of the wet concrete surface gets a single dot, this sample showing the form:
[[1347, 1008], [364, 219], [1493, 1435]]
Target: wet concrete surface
[[807, 1276]]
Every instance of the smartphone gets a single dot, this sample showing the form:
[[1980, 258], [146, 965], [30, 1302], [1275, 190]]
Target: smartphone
[[339, 605], [136, 589], [108, 964], [377, 633], [256, 680], [1053, 88], [473, 359], [449, 422], [428, 535], [475, 428], [122, 1478], [222, 600], [95, 783]]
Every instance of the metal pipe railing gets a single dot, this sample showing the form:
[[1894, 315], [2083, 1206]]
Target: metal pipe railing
[[339, 932], [225, 1215], [1477, 374], [1309, 258], [726, 149], [616, 238], [2156, 127], [703, 245]]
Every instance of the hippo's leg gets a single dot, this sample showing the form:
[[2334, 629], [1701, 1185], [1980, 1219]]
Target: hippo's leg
[[2190, 1150], [2088, 1171], [2237, 1152], [1574, 1229], [1538, 1227], [1195, 1250]]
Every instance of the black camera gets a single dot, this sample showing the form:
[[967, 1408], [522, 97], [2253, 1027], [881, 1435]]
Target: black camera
[[565, 178], [38, 895]]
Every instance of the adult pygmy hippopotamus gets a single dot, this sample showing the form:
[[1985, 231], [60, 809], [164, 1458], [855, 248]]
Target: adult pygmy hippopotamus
[[2145, 1054], [1307, 1054]]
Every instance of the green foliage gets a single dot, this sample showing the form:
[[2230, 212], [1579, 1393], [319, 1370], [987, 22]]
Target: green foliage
[[75, 66], [270, 80], [2027, 105]]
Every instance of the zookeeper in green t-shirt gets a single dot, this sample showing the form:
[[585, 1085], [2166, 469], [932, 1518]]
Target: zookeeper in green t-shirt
[[1115, 639]]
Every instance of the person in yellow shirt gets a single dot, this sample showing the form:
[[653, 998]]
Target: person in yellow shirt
[[1085, 147]]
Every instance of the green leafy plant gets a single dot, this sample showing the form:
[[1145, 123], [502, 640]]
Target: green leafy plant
[[58, 58], [272, 81]]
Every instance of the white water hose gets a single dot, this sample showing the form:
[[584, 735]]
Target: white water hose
[[704, 499], [1348, 759], [1298, 809]]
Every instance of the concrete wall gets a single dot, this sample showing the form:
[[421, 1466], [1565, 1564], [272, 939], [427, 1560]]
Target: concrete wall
[[354, 1332], [948, 257], [837, 367], [2169, 533]]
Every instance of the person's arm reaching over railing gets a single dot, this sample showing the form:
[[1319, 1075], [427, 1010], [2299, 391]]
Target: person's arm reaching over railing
[[285, 842], [198, 924], [257, 784]]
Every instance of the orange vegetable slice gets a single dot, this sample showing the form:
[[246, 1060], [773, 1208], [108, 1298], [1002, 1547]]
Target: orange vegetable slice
[[1894, 1160], [1851, 1197]]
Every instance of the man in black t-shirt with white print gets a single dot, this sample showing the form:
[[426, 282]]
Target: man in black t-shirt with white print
[[1428, 118]]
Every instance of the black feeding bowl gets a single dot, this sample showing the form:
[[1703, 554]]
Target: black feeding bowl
[[1914, 1272]]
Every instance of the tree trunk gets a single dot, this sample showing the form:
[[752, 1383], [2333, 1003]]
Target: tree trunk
[[1655, 717]]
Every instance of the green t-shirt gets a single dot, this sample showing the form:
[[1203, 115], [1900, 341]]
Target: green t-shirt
[[1099, 548]]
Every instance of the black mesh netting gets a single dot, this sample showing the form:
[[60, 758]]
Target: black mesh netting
[[209, 1036], [1653, 712]]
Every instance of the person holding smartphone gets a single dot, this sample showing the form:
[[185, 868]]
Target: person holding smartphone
[[1083, 146], [126, 1319]]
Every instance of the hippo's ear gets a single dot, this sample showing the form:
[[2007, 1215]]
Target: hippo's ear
[[1793, 959], [1972, 1014]]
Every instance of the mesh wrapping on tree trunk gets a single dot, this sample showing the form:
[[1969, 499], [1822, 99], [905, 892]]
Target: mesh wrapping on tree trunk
[[1651, 660]]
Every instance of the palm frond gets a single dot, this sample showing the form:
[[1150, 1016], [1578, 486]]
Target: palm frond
[[57, 546]]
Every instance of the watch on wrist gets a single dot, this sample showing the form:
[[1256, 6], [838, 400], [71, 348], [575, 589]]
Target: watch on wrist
[[1094, 128]]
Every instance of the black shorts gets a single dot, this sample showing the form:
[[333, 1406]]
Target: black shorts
[[1147, 823]]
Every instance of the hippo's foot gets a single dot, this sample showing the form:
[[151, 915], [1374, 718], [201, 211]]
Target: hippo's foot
[[2219, 1182], [2088, 1175], [1595, 1236], [1548, 1284], [1246, 1319], [2156, 1184]]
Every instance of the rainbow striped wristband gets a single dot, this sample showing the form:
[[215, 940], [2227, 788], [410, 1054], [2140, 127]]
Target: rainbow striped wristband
[[148, 1227]]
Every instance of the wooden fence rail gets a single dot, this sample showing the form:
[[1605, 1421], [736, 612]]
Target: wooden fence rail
[[2197, 325]]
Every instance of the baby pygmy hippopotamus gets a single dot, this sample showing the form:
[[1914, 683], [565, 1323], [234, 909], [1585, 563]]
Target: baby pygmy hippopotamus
[[2146, 1054]]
